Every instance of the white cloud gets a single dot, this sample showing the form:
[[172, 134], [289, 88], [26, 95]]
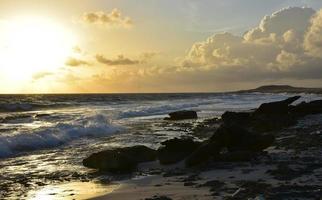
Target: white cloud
[[313, 38], [287, 43]]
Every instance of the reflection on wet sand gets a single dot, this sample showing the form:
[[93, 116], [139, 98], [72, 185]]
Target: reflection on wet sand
[[69, 191]]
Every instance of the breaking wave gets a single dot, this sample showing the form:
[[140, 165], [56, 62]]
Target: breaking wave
[[91, 126]]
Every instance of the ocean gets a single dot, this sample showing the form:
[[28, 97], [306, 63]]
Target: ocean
[[43, 138]]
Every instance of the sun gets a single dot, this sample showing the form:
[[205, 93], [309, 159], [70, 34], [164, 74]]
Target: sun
[[31, 45]]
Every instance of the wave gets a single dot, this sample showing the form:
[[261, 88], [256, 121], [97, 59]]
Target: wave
[[150, 110], [220, 103], [19, 107], [90, 126]]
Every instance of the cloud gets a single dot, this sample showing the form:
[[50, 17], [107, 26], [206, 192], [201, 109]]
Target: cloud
[[286, 44], [285, 48], [120, 60], [313, 38], [41, 75], [75, 62], [113, 19], [146, 56], [275, 25]]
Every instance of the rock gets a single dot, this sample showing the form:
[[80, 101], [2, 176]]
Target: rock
[[266, 123], [175, 150], [203, 153], [313, 107], [120, 160], [268, 117], [158, 198], [277, 107], [236, 139], [181, 115], [236, 117]]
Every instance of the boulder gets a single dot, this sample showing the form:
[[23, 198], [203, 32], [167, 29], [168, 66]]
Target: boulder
[[120, 160], [202, 154], [181, 115], [313, 107], [236, 117], [175, 150], [234, 139], [277, 107]]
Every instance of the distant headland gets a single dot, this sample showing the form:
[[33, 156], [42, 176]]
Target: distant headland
[[283, 88]]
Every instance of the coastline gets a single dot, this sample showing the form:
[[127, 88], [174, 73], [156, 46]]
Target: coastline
[[218, 179], [285, 170]]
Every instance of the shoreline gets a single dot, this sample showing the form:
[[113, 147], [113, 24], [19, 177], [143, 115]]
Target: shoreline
[[152, 179], [283, 170]]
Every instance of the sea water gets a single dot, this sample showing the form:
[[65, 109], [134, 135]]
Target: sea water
[[43, 138]]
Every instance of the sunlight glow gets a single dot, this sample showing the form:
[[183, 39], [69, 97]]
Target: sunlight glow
[[30, 45], [73, 190]]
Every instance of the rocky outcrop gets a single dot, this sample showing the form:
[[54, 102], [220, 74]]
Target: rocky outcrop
[[120, 160], [238, 142], [268, 117], [244, 134], [236, 117], [175, 150], [241, 137], [277, 107], [181, 115], [302, 109]]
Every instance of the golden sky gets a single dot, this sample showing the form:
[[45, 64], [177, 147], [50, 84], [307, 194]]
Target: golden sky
[[73, 46]]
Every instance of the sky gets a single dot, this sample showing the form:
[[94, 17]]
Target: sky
[[109, 46]]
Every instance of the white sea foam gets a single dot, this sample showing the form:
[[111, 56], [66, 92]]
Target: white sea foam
[[149, 110], [90, 126]]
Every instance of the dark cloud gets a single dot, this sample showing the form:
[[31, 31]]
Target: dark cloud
[[120, 60]]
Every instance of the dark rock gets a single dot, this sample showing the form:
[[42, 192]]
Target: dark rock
[[214, 183], [277, 107], [268, 117], [120, 160], [193, 177], [189, 183], [236, 138], [181, 115], [243, 143], [313, 107], [271, 123], [42, 115], [175, 150], [236, 117], [159, 198], [207, 150]]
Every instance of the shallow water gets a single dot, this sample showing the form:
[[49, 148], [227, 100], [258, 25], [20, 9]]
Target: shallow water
[[73, 190], [43, 138]]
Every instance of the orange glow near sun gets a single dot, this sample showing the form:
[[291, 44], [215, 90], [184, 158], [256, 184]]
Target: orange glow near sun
[[31, 44]]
